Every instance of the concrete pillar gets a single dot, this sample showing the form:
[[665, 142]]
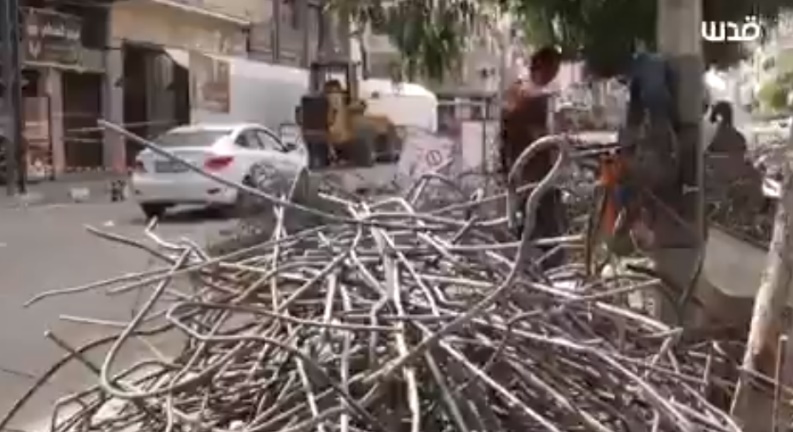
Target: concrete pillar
[[53, 88], [277, 31], [113, 145]]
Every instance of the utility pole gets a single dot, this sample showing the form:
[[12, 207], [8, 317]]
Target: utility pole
[[12, 111], [305, 19], [681, 246], [276, 31]]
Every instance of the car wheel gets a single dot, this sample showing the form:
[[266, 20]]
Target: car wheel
[[154, 210]]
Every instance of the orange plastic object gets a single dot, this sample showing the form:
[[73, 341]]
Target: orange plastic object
[[610, 176]]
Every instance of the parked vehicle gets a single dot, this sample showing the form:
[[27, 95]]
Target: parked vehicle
[[231, 151]]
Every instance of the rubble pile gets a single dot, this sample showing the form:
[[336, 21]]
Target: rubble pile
[[385, 318]]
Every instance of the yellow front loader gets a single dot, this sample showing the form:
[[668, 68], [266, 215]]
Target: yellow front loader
[[335, 126]]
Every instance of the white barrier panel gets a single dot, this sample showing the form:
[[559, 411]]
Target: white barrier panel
[[424, 152]]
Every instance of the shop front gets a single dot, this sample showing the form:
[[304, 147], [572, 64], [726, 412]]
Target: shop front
[[55, 110]]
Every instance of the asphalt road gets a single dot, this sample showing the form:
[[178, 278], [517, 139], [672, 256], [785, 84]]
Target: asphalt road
[[47, 247]]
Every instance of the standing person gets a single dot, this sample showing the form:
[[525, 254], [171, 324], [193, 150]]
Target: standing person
[[730, 170], [727, 140], [727, 148], [524, 119]]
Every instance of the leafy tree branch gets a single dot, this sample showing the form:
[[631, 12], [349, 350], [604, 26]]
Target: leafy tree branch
[[432, 35]]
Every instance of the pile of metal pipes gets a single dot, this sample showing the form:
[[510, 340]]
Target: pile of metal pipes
[[384, 318]]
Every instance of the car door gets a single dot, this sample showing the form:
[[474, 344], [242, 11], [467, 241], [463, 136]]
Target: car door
[[248, 150], [273, 144], [275, 169]]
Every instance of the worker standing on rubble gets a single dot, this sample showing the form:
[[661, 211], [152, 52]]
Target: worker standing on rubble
[[524, 119]]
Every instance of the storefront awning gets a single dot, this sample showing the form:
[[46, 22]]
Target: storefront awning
[[179, 56]]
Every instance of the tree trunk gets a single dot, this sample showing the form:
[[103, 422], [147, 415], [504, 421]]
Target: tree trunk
[[752, 407]]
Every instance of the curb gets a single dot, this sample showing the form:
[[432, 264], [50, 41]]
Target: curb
[[63, 193]]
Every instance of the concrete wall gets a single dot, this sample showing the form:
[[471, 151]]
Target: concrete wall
[[252, 10], [149, 22]]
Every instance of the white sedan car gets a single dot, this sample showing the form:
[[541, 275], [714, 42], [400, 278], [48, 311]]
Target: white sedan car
[[229, 151]]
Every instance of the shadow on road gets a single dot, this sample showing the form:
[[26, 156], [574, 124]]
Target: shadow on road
[[191, 215]]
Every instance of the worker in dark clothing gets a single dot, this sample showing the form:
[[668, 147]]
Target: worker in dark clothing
[[727, 139], [730, 173], [524, 119], [727, 149]]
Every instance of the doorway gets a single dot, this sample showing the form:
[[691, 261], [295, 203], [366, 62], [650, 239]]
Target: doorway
[[156, 94], [82, 106]]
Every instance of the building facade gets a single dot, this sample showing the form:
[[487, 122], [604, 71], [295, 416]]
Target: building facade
[[283, 32], [62, 78], [116, 60]]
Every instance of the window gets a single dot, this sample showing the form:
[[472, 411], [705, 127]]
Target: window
[[257, 140], [269, 141], [491, 108], [446, 113], [477, 109], [190, 138], [244, 141]]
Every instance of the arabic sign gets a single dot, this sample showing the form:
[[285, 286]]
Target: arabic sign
[[210, 83], [714, 31], [51, 37]]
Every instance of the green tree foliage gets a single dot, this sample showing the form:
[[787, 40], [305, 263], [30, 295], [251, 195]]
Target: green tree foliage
[[785, 61], [603, 32], [773, 94], [432, 34]]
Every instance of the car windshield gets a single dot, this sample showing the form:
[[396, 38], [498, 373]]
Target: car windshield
[[193, 138]]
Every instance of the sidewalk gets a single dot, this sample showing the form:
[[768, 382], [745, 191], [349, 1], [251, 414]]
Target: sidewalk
[[67, 189]]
